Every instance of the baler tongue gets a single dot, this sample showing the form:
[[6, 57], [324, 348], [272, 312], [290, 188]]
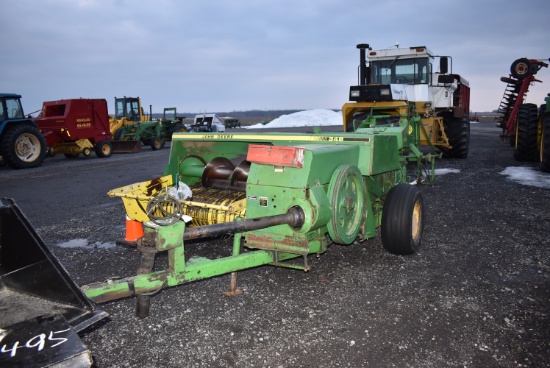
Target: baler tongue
[[40, 304], [126, 146]]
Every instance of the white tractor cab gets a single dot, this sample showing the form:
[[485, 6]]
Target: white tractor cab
[[206, 123], [424, 80]]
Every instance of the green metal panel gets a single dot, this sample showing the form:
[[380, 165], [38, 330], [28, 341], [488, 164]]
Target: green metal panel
[[384, 154]]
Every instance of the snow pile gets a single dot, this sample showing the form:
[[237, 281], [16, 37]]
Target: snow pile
[[318, 117], [527, 176]]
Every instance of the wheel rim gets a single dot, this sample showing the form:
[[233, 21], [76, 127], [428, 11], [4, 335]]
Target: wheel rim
[[347, 198], [416, 222], [27, 147], [106, 149], [522, 68]]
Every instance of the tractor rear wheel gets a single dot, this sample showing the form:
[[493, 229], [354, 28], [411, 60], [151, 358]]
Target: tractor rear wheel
[[402, 220], [103, 149], [526, 147], [545, 144], [458, 132], [23, 146]]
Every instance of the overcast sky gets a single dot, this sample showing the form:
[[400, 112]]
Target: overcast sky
[[231, 55]]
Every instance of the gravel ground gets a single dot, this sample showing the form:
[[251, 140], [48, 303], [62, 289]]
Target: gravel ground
[[477, 294]]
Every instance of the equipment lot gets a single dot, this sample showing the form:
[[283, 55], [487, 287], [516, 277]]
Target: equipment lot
[[477, 294]]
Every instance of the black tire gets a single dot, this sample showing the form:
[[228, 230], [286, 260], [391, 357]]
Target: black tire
[[520, 68], [23, 146], [157, 143], [356, 120], [178, 128], [458, 132], [117, 134], [545, 144], [103, 149], [86, 152], [402, 220], [526, 146]]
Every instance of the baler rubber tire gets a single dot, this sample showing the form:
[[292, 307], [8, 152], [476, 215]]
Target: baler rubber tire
[[103, 149], [347, 196], [402, 220], [86, 152]]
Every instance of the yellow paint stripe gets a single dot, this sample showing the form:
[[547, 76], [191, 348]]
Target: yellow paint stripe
[[258, 137]]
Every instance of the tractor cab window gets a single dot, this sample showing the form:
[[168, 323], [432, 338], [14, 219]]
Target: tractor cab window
[[126, 108], [132, 109], [13, 107], [400, 71], [119, 109]]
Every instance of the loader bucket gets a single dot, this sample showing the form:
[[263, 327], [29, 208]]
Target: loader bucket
[[126, 146], [40, 304]]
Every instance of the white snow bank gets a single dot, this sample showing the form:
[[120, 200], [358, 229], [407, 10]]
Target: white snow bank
[[527, 176], [318, 117]]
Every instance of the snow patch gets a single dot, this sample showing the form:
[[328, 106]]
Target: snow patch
[[446, 171], [527, 176], [83, 243], [317, 117]]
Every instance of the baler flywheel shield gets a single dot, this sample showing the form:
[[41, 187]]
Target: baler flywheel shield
[[347, 195]]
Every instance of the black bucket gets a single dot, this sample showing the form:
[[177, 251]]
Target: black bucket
[[36, 292]]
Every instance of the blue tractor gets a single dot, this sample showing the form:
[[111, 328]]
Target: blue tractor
[[22, 145]]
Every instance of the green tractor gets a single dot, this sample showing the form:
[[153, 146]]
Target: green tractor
[[154, 133]]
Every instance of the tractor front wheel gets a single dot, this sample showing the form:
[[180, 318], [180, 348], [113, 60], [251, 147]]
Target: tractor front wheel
[[402, 220], [103, 149], [23, 146], [157, 143], [526, 147]]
